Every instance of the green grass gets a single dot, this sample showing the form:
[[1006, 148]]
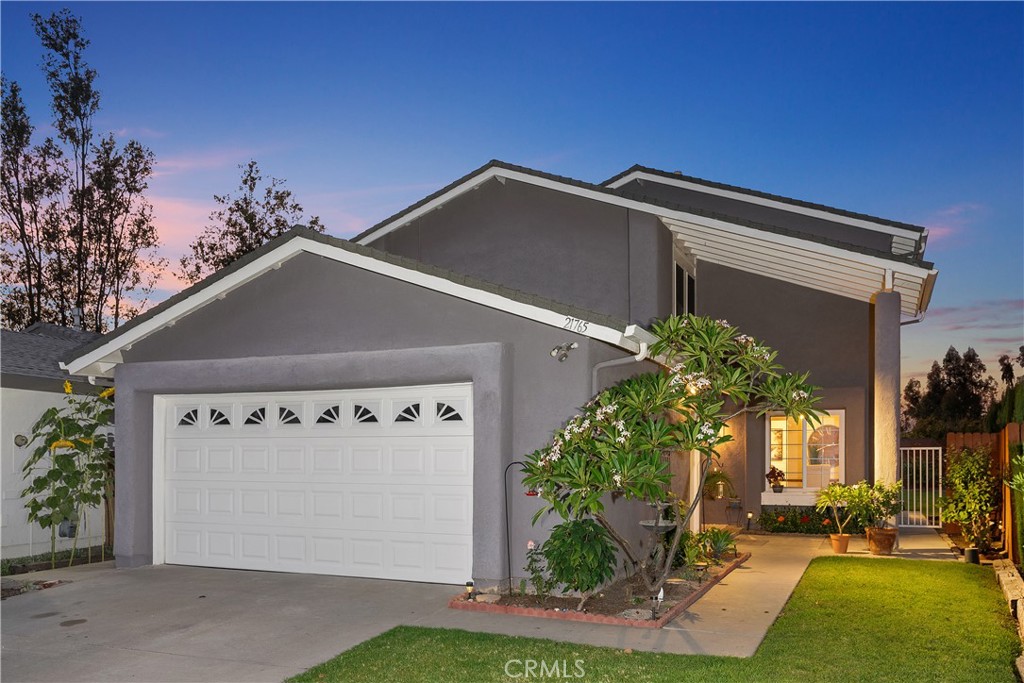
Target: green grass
[[850, 619]]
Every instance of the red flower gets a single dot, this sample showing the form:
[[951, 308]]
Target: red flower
[[782, 518], [804, 519], [826, 522]]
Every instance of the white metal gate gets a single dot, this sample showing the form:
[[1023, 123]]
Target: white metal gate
[[921, 472]]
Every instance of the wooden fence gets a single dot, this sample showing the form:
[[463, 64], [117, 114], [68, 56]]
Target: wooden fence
[[999, 443]]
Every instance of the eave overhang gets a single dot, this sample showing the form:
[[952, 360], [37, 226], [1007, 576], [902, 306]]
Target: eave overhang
[[808, 263]]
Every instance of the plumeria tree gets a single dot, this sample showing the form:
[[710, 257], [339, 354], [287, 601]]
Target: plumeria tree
[[621, 442], [72, 467]]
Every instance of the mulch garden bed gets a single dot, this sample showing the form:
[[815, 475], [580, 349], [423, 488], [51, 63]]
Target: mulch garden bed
[[958, 543], [623, 603]]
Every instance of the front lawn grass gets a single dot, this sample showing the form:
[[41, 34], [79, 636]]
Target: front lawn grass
[[850, 619]]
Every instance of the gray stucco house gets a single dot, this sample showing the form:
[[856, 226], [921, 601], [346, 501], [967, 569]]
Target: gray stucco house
[[350, 407]]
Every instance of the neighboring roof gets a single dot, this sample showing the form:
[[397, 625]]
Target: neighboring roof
[[37, 350], [850, 270], [99, 357]]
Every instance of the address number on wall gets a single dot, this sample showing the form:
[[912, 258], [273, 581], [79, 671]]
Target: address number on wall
[[575, 324]]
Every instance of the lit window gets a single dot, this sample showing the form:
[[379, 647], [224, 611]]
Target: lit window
[[812, 456]]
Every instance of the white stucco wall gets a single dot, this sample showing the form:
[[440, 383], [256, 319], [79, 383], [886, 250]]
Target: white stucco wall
[[19, 410]]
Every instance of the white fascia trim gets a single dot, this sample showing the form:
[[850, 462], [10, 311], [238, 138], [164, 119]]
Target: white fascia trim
[[103, 359], [797, 243], [771, 203]]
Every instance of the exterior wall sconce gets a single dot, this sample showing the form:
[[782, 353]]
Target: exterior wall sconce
[[561, 352]]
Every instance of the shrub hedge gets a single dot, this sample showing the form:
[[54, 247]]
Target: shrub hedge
[[801, 520]]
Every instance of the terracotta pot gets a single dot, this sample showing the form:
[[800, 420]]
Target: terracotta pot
[[840, 543], [880, 541]]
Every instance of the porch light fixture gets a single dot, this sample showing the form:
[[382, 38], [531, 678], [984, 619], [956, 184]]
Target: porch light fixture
[[561, 352]]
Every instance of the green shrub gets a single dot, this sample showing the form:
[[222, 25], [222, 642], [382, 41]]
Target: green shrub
[[717, 541], [580, 556], [801, 519], [973, 494], [690, 551]]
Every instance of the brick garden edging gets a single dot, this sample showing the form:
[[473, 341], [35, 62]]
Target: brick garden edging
[[460, 602], [1010, 581]]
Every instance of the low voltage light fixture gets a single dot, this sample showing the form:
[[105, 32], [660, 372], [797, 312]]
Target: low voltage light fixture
[[750, 516], [561, 352]]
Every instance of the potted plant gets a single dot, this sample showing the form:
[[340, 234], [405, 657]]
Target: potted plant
[[836, 498], [775, 478], [874, 505]]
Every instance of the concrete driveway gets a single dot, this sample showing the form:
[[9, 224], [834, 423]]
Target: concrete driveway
[[168, 623]]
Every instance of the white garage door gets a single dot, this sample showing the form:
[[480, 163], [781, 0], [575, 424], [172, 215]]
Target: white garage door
[[375, 483]]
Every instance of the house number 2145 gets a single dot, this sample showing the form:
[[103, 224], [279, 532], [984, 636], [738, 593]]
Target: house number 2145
[[575, 324]]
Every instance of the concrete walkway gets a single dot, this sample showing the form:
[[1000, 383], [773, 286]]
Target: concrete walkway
[[730, 620], [172, 623]]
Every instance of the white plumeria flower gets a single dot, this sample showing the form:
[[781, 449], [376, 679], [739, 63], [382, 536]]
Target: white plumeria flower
[[530, 545]]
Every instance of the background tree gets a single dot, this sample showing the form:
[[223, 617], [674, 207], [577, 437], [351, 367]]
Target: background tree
[[76, 229], [1010, 406], [243, 223], [957, 395], [1006, 371]]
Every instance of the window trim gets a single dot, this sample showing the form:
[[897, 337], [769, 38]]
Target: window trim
[[688, 267], [803, 495]]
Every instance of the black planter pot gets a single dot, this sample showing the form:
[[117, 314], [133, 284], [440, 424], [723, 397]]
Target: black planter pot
[[972, 556], [778, 488]]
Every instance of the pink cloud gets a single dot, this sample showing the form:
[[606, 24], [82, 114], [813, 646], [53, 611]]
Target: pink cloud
[[179, 221], [139, 132], [985, 315], [218, 158], [947, 225]]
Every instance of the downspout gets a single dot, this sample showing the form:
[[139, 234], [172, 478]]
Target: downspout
[[639, 357], [911, 321]]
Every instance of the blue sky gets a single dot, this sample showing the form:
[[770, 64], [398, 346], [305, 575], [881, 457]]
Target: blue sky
[[912, 111]]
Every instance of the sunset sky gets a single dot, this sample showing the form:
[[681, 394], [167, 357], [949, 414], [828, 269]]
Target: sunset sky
[[912, 112]]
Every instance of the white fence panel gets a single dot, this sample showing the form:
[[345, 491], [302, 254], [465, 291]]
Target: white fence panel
[[921, 472]]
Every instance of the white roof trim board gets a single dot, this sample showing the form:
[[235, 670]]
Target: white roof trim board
[[910, 236], [818, 266], [100, 362], [801, 261]]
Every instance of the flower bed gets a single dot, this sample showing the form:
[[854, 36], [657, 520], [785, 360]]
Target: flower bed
[[670, 611], [801, 520]]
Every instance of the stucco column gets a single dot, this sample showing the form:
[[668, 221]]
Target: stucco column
[[695, 490], [886, 349]]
